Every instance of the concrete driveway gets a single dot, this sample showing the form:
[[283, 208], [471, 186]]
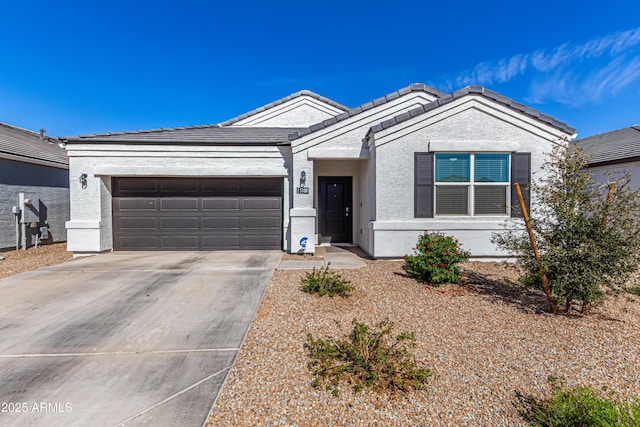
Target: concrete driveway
[[125, 338]]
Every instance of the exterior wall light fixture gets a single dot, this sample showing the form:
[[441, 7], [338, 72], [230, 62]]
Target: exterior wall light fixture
[[303, 178], [83, 180]]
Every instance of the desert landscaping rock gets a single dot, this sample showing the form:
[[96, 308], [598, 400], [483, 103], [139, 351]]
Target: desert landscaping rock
[[16, 262], [484, 342]]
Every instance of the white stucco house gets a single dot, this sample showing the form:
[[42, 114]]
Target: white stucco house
[[305, 170]]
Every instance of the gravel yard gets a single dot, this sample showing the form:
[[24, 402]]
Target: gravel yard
[[483, 342], [16, 262]]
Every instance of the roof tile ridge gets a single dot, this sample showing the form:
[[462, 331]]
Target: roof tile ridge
[[265, 107], [413, 87], [133, 132], [471, 90]]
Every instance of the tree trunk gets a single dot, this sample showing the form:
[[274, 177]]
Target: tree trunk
[[585, 308]]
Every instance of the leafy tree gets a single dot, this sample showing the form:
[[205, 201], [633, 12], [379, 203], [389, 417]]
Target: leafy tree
[[588, 241]]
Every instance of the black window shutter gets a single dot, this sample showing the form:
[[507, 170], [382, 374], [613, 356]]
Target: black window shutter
[[423, 185], [520, 173]]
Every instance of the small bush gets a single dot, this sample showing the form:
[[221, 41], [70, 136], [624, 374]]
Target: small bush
[[635, 290], [367, 359], [325, 282], [435, 259], [580, 406]]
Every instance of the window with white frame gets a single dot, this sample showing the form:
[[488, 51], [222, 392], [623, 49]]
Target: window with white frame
[[473, 184]]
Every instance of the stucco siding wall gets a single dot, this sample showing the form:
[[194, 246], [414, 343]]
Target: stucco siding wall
[[367, 200], [52, 187], [470, 128], [300, 112], [600, 173], [350, 132]]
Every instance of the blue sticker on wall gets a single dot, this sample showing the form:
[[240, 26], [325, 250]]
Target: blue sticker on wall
[[303, 242]]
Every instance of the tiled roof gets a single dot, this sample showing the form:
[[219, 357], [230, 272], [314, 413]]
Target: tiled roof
[[26, 146], [223, 134], [415, 87], [612, 146], [282, 101], [476, 90], [210, 134]]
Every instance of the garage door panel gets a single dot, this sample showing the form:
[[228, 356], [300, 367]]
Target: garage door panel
[[136, 186], [270, 186], [220, 242], [197, 214], [221, 204], [264, 223], [140, 242], [259, 241], [179, 222], [229, 186], [261, 203], [221, 223], [179, 242], [180, 186], [137, 204], [179, 203], [137, 223]]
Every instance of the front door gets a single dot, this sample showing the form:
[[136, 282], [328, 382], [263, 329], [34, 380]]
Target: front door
[[335, 209]]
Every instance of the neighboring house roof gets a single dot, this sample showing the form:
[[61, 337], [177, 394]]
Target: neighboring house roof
[[23, 145], [616, 146], [415, 87], [282, 101], [210, 134], [474, 90]]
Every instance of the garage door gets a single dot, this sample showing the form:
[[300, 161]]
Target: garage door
[[197, 214]]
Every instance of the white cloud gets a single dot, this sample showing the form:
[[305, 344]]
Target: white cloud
[[570, 73]]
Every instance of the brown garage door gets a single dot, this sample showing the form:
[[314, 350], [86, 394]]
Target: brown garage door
[[197, 213]]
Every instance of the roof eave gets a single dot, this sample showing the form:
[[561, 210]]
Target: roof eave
[[33, 160], [168, 142]]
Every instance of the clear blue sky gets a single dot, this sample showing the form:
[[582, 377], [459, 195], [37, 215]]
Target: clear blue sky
[[85, 67]]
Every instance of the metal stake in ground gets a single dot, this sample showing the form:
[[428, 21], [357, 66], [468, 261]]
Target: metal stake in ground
[[543, 276]]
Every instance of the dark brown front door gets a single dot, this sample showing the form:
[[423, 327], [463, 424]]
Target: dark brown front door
[[335, 208]]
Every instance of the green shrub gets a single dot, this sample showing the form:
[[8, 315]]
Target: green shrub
[[635, 290], [435, 259], [325, 282], [580, 406], [370, 357]]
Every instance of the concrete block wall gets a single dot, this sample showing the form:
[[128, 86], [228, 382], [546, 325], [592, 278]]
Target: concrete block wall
[[52, 187]]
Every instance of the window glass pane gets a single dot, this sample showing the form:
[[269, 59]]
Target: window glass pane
[[452, 167], [491, 168], [490, 199], [452, 200]]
